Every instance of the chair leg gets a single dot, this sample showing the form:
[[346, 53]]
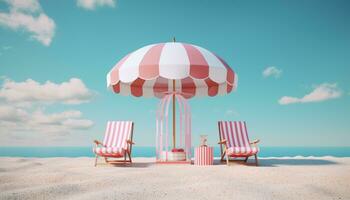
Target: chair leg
[[96, 160], [223, 156], [227, 160], [256, 160], [129, 157], [246, 159]]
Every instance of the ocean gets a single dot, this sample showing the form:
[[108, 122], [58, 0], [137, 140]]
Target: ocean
[[46, 152]]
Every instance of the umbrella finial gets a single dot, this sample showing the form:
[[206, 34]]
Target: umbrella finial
[[174, 40]]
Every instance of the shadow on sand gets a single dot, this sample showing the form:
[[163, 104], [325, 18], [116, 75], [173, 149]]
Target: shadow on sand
[[132, 165], [276, 162], [263, 162]]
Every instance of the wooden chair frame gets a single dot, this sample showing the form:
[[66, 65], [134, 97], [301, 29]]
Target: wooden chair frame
[[223, 149], [127, 152]]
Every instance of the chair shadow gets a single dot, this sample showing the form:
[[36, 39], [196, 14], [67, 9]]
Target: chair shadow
[[132, 165], [276, 162]]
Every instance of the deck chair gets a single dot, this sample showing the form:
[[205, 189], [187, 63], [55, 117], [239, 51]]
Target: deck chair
[[117, 142], [234, 141]]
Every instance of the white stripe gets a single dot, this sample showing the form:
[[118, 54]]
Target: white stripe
[[229, 133], [239, 137], [222, 89], [234, 135], [108, 77], [235, 82], [201, 87], [147, 88], [125, 135], [125, 89], [217, 71], [174, 62], [106, 134], [129, 70], [114, 142], [111, 134], [121, 133], [245, 135]]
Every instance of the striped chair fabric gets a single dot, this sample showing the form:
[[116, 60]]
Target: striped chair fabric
[[236, 135], [115, 140]]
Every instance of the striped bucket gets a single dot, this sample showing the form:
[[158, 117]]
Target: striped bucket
[[203, 155]]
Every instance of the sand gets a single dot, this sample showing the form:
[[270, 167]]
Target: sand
[[77, 178]]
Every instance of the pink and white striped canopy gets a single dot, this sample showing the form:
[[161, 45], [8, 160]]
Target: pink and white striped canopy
[[150, 71]]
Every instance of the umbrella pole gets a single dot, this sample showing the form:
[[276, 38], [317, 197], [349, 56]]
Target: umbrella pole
[[174, 120]]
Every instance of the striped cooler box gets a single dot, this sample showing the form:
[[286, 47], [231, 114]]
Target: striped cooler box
[[203, 155]]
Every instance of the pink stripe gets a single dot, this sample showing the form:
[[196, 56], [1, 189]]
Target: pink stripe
[[243, 140], [220, 131], [188, 87], [230, 73], [114, 75], [160, 87], [149, 66], [241, 133], [246, 134], [115, 134], [236, 134], [213, 87], [116, 131], [126, 135], [136, 87], [116, 88], [233, 137], [228, 135], [199, 68], [111, 134], [229, 88], [122, 134], [119, 128]]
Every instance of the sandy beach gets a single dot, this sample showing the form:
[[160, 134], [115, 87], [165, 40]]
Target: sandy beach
[[77, 178]]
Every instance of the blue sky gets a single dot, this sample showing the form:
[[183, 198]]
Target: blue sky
[[306, 42]]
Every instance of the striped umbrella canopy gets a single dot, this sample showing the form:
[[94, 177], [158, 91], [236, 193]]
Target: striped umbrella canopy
[[159, 69]]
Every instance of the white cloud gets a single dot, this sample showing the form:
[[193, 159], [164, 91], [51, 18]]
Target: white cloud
[[272, 71], [24, 5], [231, 112], [5, 48], [14, 120], [12, 114], [93, 4], [27, 15], [17, 120], [78, 123], [73, 91], [321, 92]]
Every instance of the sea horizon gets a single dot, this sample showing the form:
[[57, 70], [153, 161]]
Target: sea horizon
[[149, 151]]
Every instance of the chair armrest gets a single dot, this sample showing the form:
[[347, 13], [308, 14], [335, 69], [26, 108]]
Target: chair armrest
[[98, 142], [255, 142], [130, 142], [222, 142]]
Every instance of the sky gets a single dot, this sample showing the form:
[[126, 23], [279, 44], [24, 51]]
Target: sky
[[292, 59]]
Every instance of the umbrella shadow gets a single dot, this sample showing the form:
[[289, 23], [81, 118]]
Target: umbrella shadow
[[276, 162]]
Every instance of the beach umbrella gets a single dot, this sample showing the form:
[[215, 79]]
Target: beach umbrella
[[172, 71]]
